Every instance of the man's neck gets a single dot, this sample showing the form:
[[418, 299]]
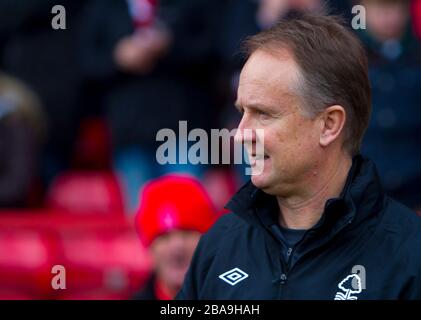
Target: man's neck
[[304, 209]]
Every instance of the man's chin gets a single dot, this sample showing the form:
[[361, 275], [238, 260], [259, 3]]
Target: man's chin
[[260, 181]]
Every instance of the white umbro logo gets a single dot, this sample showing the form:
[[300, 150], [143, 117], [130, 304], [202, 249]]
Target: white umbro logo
[[233, 276]]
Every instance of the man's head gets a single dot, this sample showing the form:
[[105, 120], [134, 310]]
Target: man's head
[[174, 211], [305, 83]]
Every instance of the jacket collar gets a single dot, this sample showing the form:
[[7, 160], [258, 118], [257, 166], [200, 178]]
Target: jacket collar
[[361, 198]]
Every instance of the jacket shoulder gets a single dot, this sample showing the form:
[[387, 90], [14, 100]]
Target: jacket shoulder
[[409, 232], [399, 214], [225, 226], [406, 224]]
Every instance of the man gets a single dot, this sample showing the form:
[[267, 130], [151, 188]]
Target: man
[[315, 223], [174, 212]]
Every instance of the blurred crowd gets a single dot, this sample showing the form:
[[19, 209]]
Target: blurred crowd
[[93, 96]]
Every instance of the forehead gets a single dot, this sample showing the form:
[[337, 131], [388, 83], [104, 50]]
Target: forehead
[[268, 76]]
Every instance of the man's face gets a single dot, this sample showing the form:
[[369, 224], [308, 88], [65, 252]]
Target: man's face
[[172, 254], [266, 97]]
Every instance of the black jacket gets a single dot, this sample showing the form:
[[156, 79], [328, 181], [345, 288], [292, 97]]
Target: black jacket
[[365, 246]]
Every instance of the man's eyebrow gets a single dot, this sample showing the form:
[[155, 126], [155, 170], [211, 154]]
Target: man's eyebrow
[[253, 106]]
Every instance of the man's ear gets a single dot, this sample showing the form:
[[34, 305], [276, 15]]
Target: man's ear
[[332, 123]]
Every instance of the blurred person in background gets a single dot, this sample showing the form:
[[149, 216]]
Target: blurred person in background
[[46, 59], [22, 129], [152, 65], [174, 212], [392, 139]]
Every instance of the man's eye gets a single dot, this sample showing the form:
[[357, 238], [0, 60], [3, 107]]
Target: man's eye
[[263, 115]]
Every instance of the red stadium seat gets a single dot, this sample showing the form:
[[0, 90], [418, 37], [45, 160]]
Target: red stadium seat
[[25, 262], [102, 255], [86, 192], [103, 264]]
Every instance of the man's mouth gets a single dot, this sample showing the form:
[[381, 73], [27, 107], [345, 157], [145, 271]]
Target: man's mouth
[[254, 159], [260, 157]]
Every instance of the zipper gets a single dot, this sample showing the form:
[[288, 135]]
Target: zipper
[[286, 267]]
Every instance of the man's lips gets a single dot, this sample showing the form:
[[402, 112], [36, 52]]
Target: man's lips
[[260, 157], [254, 159]]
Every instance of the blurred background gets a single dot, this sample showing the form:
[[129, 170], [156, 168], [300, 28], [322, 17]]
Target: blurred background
[[80, 108]]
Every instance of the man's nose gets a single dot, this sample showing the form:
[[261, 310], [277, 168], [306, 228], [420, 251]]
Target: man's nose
[[245, 132]]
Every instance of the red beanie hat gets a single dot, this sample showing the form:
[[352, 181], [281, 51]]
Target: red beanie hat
[[173, 202]]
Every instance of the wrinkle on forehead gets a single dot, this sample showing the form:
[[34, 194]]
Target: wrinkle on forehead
[[269, 78]]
